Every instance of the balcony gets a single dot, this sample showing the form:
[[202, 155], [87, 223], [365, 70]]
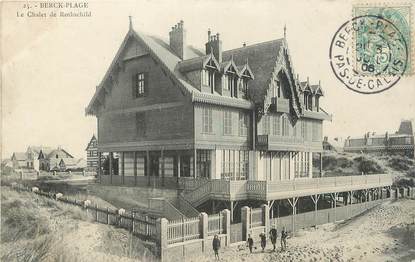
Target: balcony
[[281, 104], [271, 190], [317, 115], [287, 143]]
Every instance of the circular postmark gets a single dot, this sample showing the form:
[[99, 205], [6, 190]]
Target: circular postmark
[[368, 54]]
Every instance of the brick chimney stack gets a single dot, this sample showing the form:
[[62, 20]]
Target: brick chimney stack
[[214, 45], [178, 40]]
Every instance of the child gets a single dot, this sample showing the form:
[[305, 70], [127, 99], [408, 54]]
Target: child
[[250, 243]]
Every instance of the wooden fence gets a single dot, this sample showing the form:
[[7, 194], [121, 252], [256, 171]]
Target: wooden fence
[[141, 225], [215, 224], [182, 230]]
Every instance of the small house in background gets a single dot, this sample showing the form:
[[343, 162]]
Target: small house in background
[[92, 154], [19, 160], [69, 164], [51, 160], [41, 158]]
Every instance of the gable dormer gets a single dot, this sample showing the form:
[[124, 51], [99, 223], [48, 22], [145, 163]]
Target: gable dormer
[[246, 75], [317, 92], [210, 74], [230, 78], [308, 96]]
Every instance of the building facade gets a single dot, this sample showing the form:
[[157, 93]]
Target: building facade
[[213, 120], [401, 142], [92, 154]]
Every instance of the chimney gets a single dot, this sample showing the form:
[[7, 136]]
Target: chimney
[[214, 45], [178, 40]]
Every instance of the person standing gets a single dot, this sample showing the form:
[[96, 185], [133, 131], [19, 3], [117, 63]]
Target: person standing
[[273, 236], [284, 235], [250, 243], [263, 241], [216, 246]]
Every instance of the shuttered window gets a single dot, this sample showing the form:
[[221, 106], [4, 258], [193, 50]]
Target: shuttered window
[[207, 120], [140, 84]]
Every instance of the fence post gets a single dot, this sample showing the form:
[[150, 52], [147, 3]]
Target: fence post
[[108, 216], [96, 214], [161, 230], [265, 217], [227, 225], [132, 222], [146, 226], [203, 229], [245, 219]]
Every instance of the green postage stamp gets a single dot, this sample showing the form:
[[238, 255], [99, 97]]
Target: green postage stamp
[[373, 50]]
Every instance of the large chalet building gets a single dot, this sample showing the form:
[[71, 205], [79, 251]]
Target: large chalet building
[[225, 124]]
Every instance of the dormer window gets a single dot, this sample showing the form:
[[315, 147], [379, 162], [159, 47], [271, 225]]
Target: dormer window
[[310, 102], [317, 103], [208, 78], [246, 75], [231, 84], [231, 81], [243, 87]]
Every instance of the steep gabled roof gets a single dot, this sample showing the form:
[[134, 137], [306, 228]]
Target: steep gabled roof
[[53, 152], [262, 58], [19, 156], [93, 138]]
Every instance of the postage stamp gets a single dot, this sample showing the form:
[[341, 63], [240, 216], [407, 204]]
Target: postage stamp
[[371, 47], [369, 54]]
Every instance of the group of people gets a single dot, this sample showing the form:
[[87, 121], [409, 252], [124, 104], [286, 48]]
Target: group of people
[[273, 235]]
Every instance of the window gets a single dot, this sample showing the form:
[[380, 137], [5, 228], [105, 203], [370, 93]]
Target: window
[[227, 123], [208, 78], [317, 104], [207, 120], [301, 164], [243, 124], [276, 127], [203, 163], [235, 165], [139, 84], [305, 101], [276, 89], [285, 126], [243, 88], [140, 124], [303, 129], [265, 125], [310, 102]]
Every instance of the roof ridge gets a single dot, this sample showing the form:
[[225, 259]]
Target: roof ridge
[[255, 45]]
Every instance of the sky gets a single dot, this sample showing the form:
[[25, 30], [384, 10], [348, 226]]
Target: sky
[[52, 65]]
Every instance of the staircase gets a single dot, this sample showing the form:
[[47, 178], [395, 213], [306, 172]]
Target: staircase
[[199, 195], [185, 207]]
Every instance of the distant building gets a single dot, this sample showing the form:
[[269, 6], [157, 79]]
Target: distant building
[[69, 164], [40, 158], [336, 144], [92, 154], [402, 142]]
